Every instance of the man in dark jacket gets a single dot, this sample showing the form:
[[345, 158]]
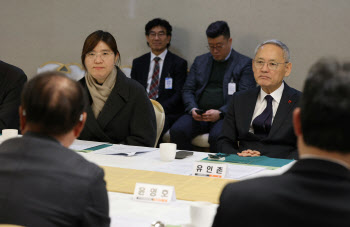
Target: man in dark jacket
[[259, 121], [161, 72], [315, 190], [43, 183], [214, 77]]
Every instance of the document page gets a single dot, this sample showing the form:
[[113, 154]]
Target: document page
[[239, 171], [123, 149], [80, 145]]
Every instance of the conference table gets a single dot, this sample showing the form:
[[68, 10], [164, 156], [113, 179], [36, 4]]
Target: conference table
[[196, 197]]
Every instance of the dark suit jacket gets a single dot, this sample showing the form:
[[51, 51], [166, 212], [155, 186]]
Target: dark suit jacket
[[127, 117], [281, 141], [46, 184], [312, 193], [170, 99], [239, 69], [12, 80]]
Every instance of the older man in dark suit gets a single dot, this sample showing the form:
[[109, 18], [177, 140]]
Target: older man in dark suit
[[12, 80], [315, 190], [161, 72], [43, 183], [259, 121], [212, 80]]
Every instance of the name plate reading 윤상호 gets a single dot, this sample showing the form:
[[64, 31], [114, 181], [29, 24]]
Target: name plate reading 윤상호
[[154, 193], [205, 169]]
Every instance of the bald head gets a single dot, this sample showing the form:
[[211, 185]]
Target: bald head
[[52, 103]]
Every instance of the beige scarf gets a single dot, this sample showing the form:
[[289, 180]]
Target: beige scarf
[[100, 93]]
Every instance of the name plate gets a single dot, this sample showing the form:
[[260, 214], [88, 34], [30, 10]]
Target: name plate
[[154, 193], [205, 169]]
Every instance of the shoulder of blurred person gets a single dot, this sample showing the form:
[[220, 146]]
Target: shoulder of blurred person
[[12, 80], [8, 69]]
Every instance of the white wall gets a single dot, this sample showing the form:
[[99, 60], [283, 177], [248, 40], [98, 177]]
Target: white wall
[[36, 31]]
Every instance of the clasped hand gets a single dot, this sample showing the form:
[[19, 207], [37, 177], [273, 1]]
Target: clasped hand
[[209, 116], [249, 153]]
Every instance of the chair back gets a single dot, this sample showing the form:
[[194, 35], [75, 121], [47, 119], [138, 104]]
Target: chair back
[[160, 118], [126, 70], [74, 71]]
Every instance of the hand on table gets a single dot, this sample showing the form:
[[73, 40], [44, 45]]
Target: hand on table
[[249, 153]]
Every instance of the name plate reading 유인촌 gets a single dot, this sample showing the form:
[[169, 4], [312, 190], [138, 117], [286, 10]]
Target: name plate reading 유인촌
[[154, 193], [205, 169]]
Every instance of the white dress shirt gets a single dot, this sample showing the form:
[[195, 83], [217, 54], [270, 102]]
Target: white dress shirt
[[151, 67], [261, 104]]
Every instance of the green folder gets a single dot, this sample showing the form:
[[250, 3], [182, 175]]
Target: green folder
[[95, 148], [256, 161]]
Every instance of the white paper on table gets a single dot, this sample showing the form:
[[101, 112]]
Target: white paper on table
[[84, 144], [124, 209], [130, 221], [239, 171], [123, 149], [182, 168]]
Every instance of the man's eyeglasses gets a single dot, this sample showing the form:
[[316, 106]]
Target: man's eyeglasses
[[104, 55], [271, 65], [154, 35], [218, 47]]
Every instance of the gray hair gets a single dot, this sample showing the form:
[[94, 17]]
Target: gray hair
[[277, 43]]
